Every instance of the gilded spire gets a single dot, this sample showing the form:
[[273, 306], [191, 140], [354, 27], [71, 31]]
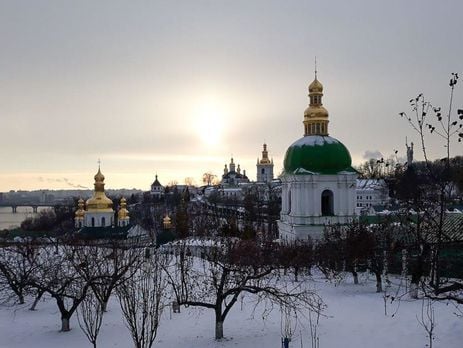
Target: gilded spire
[[265, 159], [99, 201], [315, 116]]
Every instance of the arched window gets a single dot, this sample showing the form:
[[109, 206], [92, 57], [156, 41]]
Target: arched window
[[93, 222], [262, 171], [103, 221], [327, 203]]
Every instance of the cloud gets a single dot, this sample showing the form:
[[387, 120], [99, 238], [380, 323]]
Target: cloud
[[372, 154]]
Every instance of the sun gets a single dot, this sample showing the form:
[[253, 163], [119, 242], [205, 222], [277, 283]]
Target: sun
[[210, 122]]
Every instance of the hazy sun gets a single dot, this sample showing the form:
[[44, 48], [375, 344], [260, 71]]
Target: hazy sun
[[210, 122]]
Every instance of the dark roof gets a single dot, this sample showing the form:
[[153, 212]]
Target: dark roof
[[109, 232], [156, 182], [236, 174]]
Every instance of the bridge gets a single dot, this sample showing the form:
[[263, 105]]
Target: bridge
[[34, 206]]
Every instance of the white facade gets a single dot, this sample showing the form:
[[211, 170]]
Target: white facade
[[370, 193], [98, 219], [309, 202]]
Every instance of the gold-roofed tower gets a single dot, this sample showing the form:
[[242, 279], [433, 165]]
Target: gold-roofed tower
[[315, 116], [80, 213], [167, 222], [99, 202], [264, 167], [123, 217]]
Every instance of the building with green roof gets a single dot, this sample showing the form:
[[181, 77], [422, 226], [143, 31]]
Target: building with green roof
[[318, 181]]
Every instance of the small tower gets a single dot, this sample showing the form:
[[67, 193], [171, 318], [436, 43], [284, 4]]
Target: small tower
[[264, 167], [123, 218], [157, 190], [80, 213], [167, 222], [409, 153], [315, 116], [232, 165]]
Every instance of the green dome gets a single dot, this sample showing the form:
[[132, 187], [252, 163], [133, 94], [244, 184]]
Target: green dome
[[317, 154]]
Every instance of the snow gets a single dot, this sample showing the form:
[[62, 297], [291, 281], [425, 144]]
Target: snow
[[354, 318], [315, 140]]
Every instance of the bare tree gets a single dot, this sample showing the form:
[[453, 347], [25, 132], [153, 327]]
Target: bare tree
[[434, 191], [142, 300], [18, 263], [56, 275], [105, 267], [227, 269], [428, 319], [209, 178], [90, 317]]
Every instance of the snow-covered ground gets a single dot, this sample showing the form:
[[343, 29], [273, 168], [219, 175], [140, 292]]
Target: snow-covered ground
[[354, 318]]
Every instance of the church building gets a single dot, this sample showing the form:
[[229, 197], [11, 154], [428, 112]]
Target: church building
[[98, 210], [318, 181], [232, 175]]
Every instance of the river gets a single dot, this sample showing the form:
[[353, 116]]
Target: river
[[10, 220]]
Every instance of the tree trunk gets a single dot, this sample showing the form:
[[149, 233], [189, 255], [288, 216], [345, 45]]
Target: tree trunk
[[356, 277], [414, 291], [65, 324], [296, 273], [36, 300], [218, 329], [21, 298], [379, 285], [104, 306], [218, 320]]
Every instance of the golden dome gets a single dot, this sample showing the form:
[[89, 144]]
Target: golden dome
[[123, 213], [99, 201], [99, 177], [167, 221], [80, 210], [315, 115], [316, 87]]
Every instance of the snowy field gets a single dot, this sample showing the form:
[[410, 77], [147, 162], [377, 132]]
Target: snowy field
[[354, 318]]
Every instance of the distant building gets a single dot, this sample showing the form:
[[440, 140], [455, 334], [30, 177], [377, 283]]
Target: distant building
[[370, 193], [264, 167], [157, 190], [232, 175]]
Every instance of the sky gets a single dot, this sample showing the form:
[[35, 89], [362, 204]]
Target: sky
[[178, 87]]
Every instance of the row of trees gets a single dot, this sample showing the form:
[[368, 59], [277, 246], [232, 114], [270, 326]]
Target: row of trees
[[82, 278]]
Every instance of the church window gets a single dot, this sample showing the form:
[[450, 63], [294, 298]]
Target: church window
[[262, 171], [93, 222], [323, 128], [327, 203], [318, 128], [103, 221]]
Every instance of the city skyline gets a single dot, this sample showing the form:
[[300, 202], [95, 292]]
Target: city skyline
[[177, 88]]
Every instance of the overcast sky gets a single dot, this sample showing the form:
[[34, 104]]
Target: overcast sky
[[176, 87]]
